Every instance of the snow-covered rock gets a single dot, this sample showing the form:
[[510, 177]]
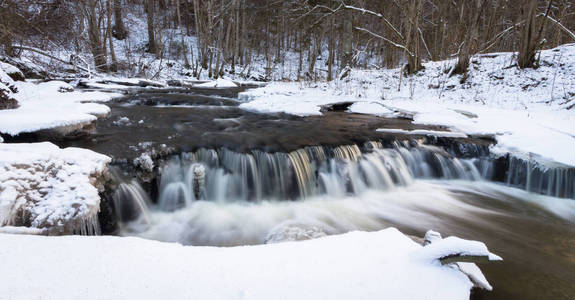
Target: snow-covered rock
[[144, 162], [7, 91], [294, 233], [356, 265], [219, 83], [456, 247], [12, 71], [45, 187]]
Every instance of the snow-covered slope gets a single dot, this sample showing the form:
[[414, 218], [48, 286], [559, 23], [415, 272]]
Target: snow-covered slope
[[45, 187], [530, 111], [357, 265]]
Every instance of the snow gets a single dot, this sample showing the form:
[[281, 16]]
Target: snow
[[372, 108], [43, 186], [10, 69], [470, 248], [50, 105], [145, 162], [291, 98], [356, 265], [4, 77], [529, 111], [219, 83], [424, 132]]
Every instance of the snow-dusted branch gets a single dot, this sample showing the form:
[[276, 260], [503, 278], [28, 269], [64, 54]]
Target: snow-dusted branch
[[384, 38], [498, 36], [424, 43], [492, 42], [385, 20], [49, 56], [567, 31]]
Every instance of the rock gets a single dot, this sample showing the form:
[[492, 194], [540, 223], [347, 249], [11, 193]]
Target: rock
[[12, 71], [28, 68], [294, 233], [6, 101], [52, 189], [144, 162], [147, 83]]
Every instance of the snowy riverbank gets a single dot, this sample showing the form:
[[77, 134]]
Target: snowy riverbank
[[528, 111], [357, 265], [52, 105]]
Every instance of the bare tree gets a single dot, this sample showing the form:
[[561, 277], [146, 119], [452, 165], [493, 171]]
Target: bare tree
[[119, 30], [471, 40], [90, 8], [152, 43]]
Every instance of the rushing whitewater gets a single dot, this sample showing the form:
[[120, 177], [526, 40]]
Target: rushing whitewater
[[226, 176], [221, 197]]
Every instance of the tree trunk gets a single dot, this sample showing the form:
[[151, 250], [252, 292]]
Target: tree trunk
[[528, 43], [470, 45], [412, 37], [184, 46], [119, 29], [114, 65], [152, 44], [347, 47], [96, 44]]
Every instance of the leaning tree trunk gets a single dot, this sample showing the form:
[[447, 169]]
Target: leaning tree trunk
[[528, 43]]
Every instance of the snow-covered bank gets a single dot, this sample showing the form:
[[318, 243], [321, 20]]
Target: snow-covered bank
[[357, 265], [43, 186], [530, 111], [52, 105]]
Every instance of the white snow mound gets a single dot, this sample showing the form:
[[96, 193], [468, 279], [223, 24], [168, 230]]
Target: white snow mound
[[52, 105], [219, 83], [356, 265]]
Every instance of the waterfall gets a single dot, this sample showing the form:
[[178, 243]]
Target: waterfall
[[223, 175], [534, 177], [131, 204]]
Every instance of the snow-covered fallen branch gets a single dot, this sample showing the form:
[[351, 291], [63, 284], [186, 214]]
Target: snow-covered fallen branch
[[44, 53]]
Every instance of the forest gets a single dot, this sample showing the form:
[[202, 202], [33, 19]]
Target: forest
[[318, 38]]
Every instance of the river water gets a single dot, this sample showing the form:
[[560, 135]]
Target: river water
[[233, 177]]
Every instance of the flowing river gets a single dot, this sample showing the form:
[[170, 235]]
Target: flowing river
[[222, 176]]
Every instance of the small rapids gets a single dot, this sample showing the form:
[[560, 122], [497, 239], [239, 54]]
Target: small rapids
[[224, 198]]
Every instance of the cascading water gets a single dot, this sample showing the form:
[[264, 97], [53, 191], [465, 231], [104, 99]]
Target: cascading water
[[208, 197], [226, 176], [533, 175]]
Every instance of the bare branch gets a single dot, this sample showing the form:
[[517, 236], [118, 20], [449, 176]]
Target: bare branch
[[385, 39]]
